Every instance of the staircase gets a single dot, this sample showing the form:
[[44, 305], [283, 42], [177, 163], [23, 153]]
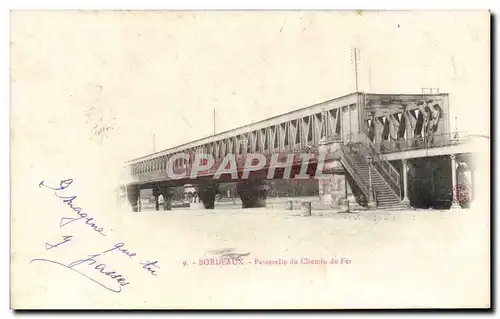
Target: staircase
[[376, 176]]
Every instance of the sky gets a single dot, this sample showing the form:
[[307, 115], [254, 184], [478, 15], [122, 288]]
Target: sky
[[163, 73], [251, 66]]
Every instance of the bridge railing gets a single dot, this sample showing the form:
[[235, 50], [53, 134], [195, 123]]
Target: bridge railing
[[439, 140], [367, 148], [346, 160]]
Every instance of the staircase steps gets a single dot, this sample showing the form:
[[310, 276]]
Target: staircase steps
[[385, 198]]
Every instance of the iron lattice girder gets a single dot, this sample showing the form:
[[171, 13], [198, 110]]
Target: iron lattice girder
[[287, 136], [304, 130]]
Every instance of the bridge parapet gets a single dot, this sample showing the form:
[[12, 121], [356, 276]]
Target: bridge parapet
[[433, 141]]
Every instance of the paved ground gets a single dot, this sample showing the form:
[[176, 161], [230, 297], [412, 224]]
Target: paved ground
[[404, 258], [271, 203]]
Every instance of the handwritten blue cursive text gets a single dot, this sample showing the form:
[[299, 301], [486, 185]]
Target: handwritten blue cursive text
[[100, 268], [68, 200]]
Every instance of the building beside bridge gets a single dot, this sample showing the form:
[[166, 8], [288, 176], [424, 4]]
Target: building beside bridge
[[384, 151]]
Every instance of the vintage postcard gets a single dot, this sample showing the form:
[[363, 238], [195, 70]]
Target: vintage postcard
[[250, 160]]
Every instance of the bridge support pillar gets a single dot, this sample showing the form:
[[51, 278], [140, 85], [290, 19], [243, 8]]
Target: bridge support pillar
[[332, 188], [133, 197], [167, 198], [454, 203], [252, 193], [156, 194], [406, 199], [474, 180], [206, 192], [332, 183], [353, 204], [465, 181]]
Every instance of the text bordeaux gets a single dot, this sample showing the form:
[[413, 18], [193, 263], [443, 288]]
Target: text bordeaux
[[220, 261]]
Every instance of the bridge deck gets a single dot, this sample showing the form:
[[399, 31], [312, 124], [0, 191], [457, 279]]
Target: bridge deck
[[429, 152]]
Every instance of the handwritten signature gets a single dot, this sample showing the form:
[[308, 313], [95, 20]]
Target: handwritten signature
[[91, 261]]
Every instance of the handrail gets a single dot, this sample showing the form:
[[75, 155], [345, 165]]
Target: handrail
[[345, 157], [385, 168], [421, 142]]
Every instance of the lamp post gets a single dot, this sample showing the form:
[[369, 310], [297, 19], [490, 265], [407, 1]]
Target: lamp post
[[406, 200], [371, 200]]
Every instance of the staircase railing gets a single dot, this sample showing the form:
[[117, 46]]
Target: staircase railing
[[388, 172], [346, 160]]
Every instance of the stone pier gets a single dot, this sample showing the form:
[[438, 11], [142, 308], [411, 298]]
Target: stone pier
[[167, 194], [332, 183], [207, 190], [252, 193], [156, 194], [133, 197]]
